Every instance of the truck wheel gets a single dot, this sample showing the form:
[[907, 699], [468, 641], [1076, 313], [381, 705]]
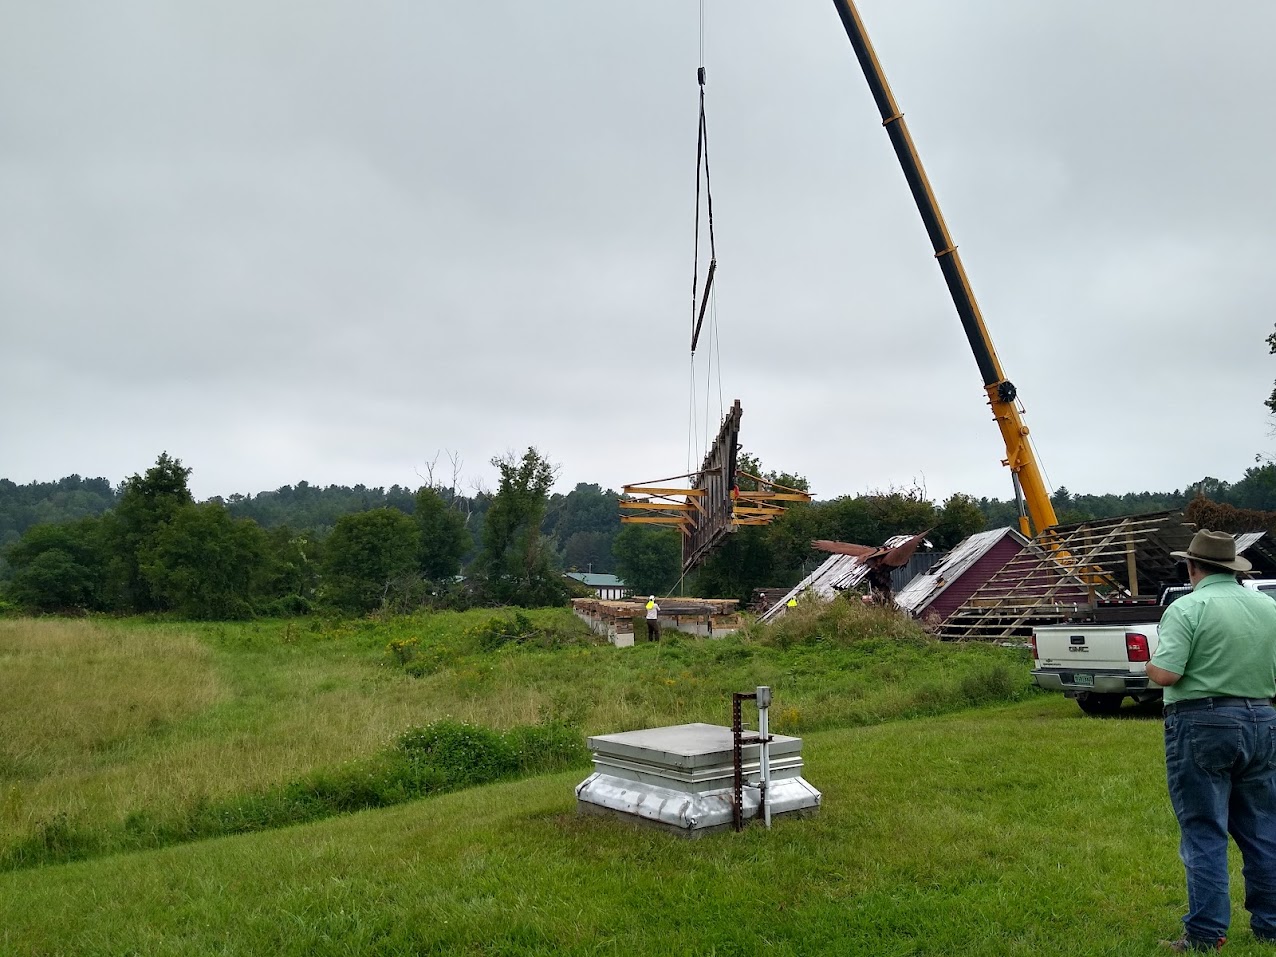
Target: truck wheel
[[1092, 703]]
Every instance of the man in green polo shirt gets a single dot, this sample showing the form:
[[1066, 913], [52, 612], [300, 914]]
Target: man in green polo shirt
[[1216, 659]]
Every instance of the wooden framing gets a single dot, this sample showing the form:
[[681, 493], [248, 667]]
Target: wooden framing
[[714, 505], [1116, 558]]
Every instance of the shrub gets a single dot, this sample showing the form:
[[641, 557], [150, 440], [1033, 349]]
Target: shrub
[[289, 606], [842, 622], [567, 706], [403, 650], [453, 595], [498, 632], [463, 752]]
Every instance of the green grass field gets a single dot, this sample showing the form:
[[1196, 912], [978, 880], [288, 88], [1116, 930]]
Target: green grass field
[[962, 813]]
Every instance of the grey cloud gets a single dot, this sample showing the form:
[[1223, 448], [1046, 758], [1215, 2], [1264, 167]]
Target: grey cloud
[[323, 241]]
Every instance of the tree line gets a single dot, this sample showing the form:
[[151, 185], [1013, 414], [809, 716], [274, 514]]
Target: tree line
[[155, 549], [147, 546]]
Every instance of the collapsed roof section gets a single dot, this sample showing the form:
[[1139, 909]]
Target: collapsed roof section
[[1259, 548], [998, 585], [994, 585], [1031, 587], [847, 567]]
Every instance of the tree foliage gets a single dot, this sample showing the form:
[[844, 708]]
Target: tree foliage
[[49, 503], [744, 561], [958, 519], [648, 558], [444, 539], [59, 567], [292, 571], [146, 503], [201, 563], [364, 557], [1221, 517], [516, 561], [314, 507], [582, 526], [149, 547], [1271, 349]]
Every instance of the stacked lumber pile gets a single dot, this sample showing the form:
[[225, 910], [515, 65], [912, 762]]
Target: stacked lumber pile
[[698, 616]]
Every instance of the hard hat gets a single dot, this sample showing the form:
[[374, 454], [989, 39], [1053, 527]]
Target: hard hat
[[651, 597]]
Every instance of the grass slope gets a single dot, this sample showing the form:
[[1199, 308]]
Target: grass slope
[[1025, 829], [118, 731], [953, 823]]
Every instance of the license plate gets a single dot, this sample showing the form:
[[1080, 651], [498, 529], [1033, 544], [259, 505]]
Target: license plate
[[1083, 681]]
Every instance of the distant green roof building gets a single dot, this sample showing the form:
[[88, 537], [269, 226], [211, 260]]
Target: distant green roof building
[[605, 586]]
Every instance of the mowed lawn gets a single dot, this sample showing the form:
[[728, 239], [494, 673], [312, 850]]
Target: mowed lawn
[[1025, 829]]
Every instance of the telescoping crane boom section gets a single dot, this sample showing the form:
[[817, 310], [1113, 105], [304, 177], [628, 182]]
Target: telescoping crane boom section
[[1030, 487]]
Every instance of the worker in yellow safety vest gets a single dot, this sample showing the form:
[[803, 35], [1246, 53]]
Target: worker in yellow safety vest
[[653, 619]]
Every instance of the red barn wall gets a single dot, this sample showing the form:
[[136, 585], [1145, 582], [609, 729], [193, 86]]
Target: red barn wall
[[991, 562]]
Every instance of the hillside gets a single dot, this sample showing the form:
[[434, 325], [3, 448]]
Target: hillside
[[963, 812]]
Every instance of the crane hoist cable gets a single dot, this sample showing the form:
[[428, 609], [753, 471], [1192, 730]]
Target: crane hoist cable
[[703, 297], [700, 298]]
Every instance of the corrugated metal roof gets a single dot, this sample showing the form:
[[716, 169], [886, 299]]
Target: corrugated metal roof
[[1246, 539], [922, 590], [838, 573]]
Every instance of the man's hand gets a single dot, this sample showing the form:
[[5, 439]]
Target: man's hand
[[1162, 677]]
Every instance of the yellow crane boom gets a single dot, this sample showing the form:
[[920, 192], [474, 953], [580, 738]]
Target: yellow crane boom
[[1036, 513]]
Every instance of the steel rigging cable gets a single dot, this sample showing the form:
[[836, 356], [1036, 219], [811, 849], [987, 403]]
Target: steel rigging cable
[[703, 299]]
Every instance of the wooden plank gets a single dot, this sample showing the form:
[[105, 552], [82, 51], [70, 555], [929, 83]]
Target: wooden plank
[[668, 478], [1131, 568], [635, 490]]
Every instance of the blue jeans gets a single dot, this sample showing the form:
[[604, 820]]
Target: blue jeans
[[1221, 766]]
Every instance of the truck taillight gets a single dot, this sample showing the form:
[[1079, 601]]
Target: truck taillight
[[1032, 643], [1136, 647]]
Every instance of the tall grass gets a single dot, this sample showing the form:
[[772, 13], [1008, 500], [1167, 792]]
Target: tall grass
[[150, 722], [73, 693], [439, 757]]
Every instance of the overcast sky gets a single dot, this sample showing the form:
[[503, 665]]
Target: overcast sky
[[334, 241]]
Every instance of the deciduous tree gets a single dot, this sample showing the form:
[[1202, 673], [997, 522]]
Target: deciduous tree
[[648, 559], [515, 559], [444, 538], [146, 503], [59, 567], [204, 564], [365, 554], [959, 518]]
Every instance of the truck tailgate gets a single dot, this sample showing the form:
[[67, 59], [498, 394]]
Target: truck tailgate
[[1089, 647], [1094, 662]]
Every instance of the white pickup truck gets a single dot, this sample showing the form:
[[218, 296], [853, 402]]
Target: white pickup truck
[[1102, 662]]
